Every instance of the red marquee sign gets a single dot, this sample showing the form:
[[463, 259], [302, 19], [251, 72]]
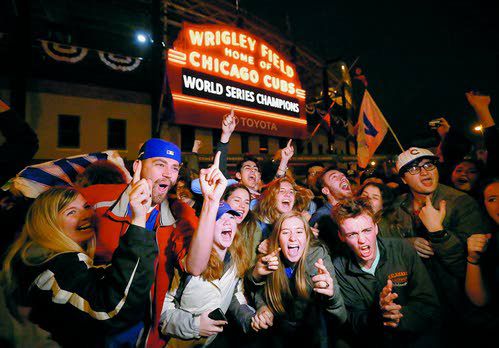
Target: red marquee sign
[[214, 68]]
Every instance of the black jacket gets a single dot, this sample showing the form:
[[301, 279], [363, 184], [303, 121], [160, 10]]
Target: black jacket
[[80, 303], [416, 294]]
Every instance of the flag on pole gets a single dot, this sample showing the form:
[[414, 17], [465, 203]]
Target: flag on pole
[[3, 106], [371, 129], [33, 180]]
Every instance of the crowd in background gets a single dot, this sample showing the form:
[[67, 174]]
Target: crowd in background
[[401, 255]]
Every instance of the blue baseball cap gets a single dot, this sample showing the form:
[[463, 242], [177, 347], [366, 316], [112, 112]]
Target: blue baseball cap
[[225, 208], [156, 147]]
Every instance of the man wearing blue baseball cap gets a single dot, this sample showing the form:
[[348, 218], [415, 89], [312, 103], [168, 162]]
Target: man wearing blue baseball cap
[[183, 241]]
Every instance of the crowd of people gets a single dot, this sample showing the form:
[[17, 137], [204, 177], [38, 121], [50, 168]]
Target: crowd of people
[[185, 257]]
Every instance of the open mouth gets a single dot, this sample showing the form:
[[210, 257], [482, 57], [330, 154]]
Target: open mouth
[[293, 250], [163, 187], [85, 227], [241, 213], [286, 204], [462, 181], [227, 234], [427, 182], [345, 185], [365, 250]]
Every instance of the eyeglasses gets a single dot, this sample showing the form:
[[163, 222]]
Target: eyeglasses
[[428, 166]]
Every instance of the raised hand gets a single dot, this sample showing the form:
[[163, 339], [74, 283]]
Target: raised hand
[[391, 311], [263, 247], [140, 197], [444, 127], [196, 146], [263, 319], [209, 327], [477, 245], [266, 264], [422, 246], [323, 283], [212, 181], [228, 126], [480, 103], [288, 151], [431, 217], [477, 101]]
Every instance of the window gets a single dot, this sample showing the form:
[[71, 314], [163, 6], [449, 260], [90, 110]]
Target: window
[[244, 143], [321, 149], [264, 144], [116, 134], [309, 148], [187, 138], [68, 127]]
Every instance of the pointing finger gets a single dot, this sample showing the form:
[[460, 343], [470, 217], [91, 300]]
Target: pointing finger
[[232, 112], [428, 201], [216, 161], [320, 267], [289, 142], [389, 284], [136, 174]]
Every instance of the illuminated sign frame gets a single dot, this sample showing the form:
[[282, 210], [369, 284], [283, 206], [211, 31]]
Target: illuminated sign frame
[[215, 67]]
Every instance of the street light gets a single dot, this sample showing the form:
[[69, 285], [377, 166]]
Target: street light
[[142, 38], [373, 163], [478, 128]]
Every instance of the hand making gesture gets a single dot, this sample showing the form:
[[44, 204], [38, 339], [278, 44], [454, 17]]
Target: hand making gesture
[[228, 126], [323, 282], [266, 264], [140, 197], [213, 182], [391, 310], [431, 217], [477, 245]]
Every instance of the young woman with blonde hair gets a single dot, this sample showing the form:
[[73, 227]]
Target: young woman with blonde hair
[[50, 277], [295, 297], [279, 197]]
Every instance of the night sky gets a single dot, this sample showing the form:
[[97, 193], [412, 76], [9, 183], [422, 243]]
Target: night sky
[[419, 57]]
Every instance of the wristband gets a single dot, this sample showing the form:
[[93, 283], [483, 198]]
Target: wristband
[[472, 262]]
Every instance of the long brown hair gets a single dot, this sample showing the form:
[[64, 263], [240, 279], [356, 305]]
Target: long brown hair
[[266, 209], [277, 284]]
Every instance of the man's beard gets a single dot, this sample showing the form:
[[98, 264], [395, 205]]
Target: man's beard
[[157, 194]]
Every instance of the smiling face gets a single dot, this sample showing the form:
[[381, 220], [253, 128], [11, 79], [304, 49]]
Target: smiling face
[[465, 176], [336, 185], [424, 182], [225, 231], [292, 239], [359, 233], [75, 220], [285, 197], [163, 172], [249, 175], [375, 198], [239, 200], [491, 200]]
